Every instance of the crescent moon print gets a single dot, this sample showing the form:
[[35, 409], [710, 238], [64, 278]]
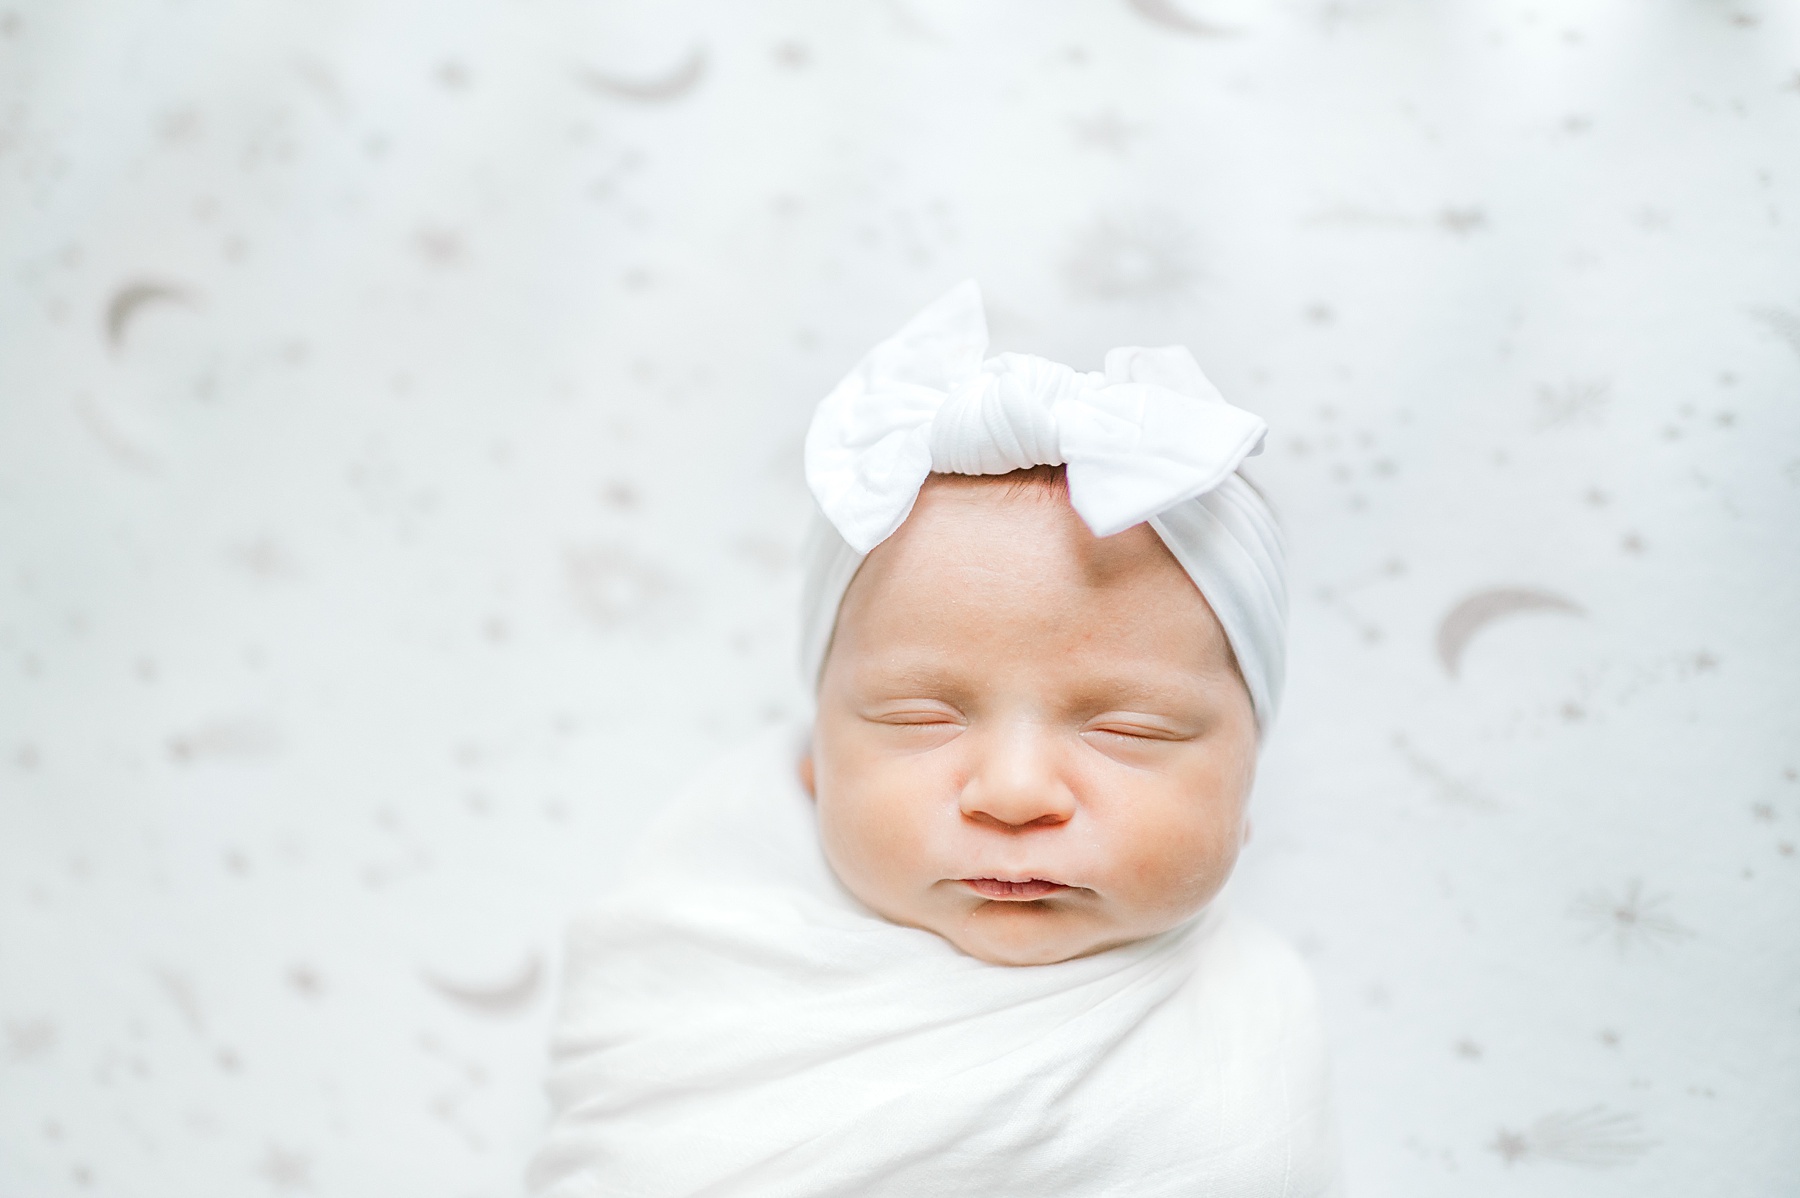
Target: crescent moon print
[[498, 998], [661, 90], [1483, 608], [1164, 13], [128, 300]]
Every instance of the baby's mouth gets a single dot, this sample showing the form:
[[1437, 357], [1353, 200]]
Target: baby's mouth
[[1017, 892]]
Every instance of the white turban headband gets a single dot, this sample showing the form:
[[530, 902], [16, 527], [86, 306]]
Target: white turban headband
[[1147, 439]]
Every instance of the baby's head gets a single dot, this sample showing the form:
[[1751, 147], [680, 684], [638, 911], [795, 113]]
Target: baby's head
[[1030, 740], [1033, 739]]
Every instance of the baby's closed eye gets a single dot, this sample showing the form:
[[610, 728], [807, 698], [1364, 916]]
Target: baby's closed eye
[[914, 713], [1136, 740], [1135, 726]]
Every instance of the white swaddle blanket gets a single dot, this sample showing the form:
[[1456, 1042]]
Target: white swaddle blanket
[[735, 1024]]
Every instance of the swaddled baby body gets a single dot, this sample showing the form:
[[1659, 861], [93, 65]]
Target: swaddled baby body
[[962, 936]]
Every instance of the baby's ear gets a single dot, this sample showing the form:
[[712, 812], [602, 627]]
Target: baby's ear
[[1242, 842], [806, 774]]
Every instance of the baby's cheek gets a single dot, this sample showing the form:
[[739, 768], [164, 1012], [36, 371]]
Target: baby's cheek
[[872, 829], [1174, 861]]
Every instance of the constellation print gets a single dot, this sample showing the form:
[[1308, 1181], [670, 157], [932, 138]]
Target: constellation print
[[1337, 599], [1575, 402], [1446, 786]]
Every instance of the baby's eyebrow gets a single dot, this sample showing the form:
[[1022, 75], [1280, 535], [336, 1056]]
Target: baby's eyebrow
[[1137, 694], [913, 678]]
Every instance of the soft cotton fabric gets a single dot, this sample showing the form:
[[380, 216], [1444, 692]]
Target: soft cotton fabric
[[1146, 439], [735, 1024]]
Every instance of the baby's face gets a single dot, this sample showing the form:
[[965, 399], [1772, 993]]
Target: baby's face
[[1031, 741]]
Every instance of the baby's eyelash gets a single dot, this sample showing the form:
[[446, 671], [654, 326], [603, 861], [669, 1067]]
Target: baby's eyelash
[[1136, 731], [920, 717]]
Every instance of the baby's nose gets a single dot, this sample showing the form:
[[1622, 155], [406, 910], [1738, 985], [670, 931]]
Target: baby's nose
[[1015, 782]]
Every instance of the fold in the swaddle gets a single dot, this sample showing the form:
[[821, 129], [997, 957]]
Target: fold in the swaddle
[[735, 1024]]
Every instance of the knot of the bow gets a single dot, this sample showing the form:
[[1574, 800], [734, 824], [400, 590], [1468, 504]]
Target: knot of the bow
[[1004, 418]]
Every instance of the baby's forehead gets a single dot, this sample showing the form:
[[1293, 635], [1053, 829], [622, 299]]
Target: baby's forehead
[[985, 562], [1025, 518], [1003, 557]]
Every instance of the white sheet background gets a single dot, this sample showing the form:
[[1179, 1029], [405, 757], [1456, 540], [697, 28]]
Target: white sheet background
[[429, 509]]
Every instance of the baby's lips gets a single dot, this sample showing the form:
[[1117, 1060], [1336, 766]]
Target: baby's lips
[[1005, 891]]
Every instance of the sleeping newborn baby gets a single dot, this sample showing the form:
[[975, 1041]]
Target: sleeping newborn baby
[[964, 936]]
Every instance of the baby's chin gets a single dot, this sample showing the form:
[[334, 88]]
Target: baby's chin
[[1035, 933]]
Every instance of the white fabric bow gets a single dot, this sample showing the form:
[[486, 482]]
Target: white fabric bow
[[1138, 438]]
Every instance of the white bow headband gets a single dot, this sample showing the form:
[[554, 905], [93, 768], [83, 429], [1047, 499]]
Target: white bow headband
[[1148, 439]]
